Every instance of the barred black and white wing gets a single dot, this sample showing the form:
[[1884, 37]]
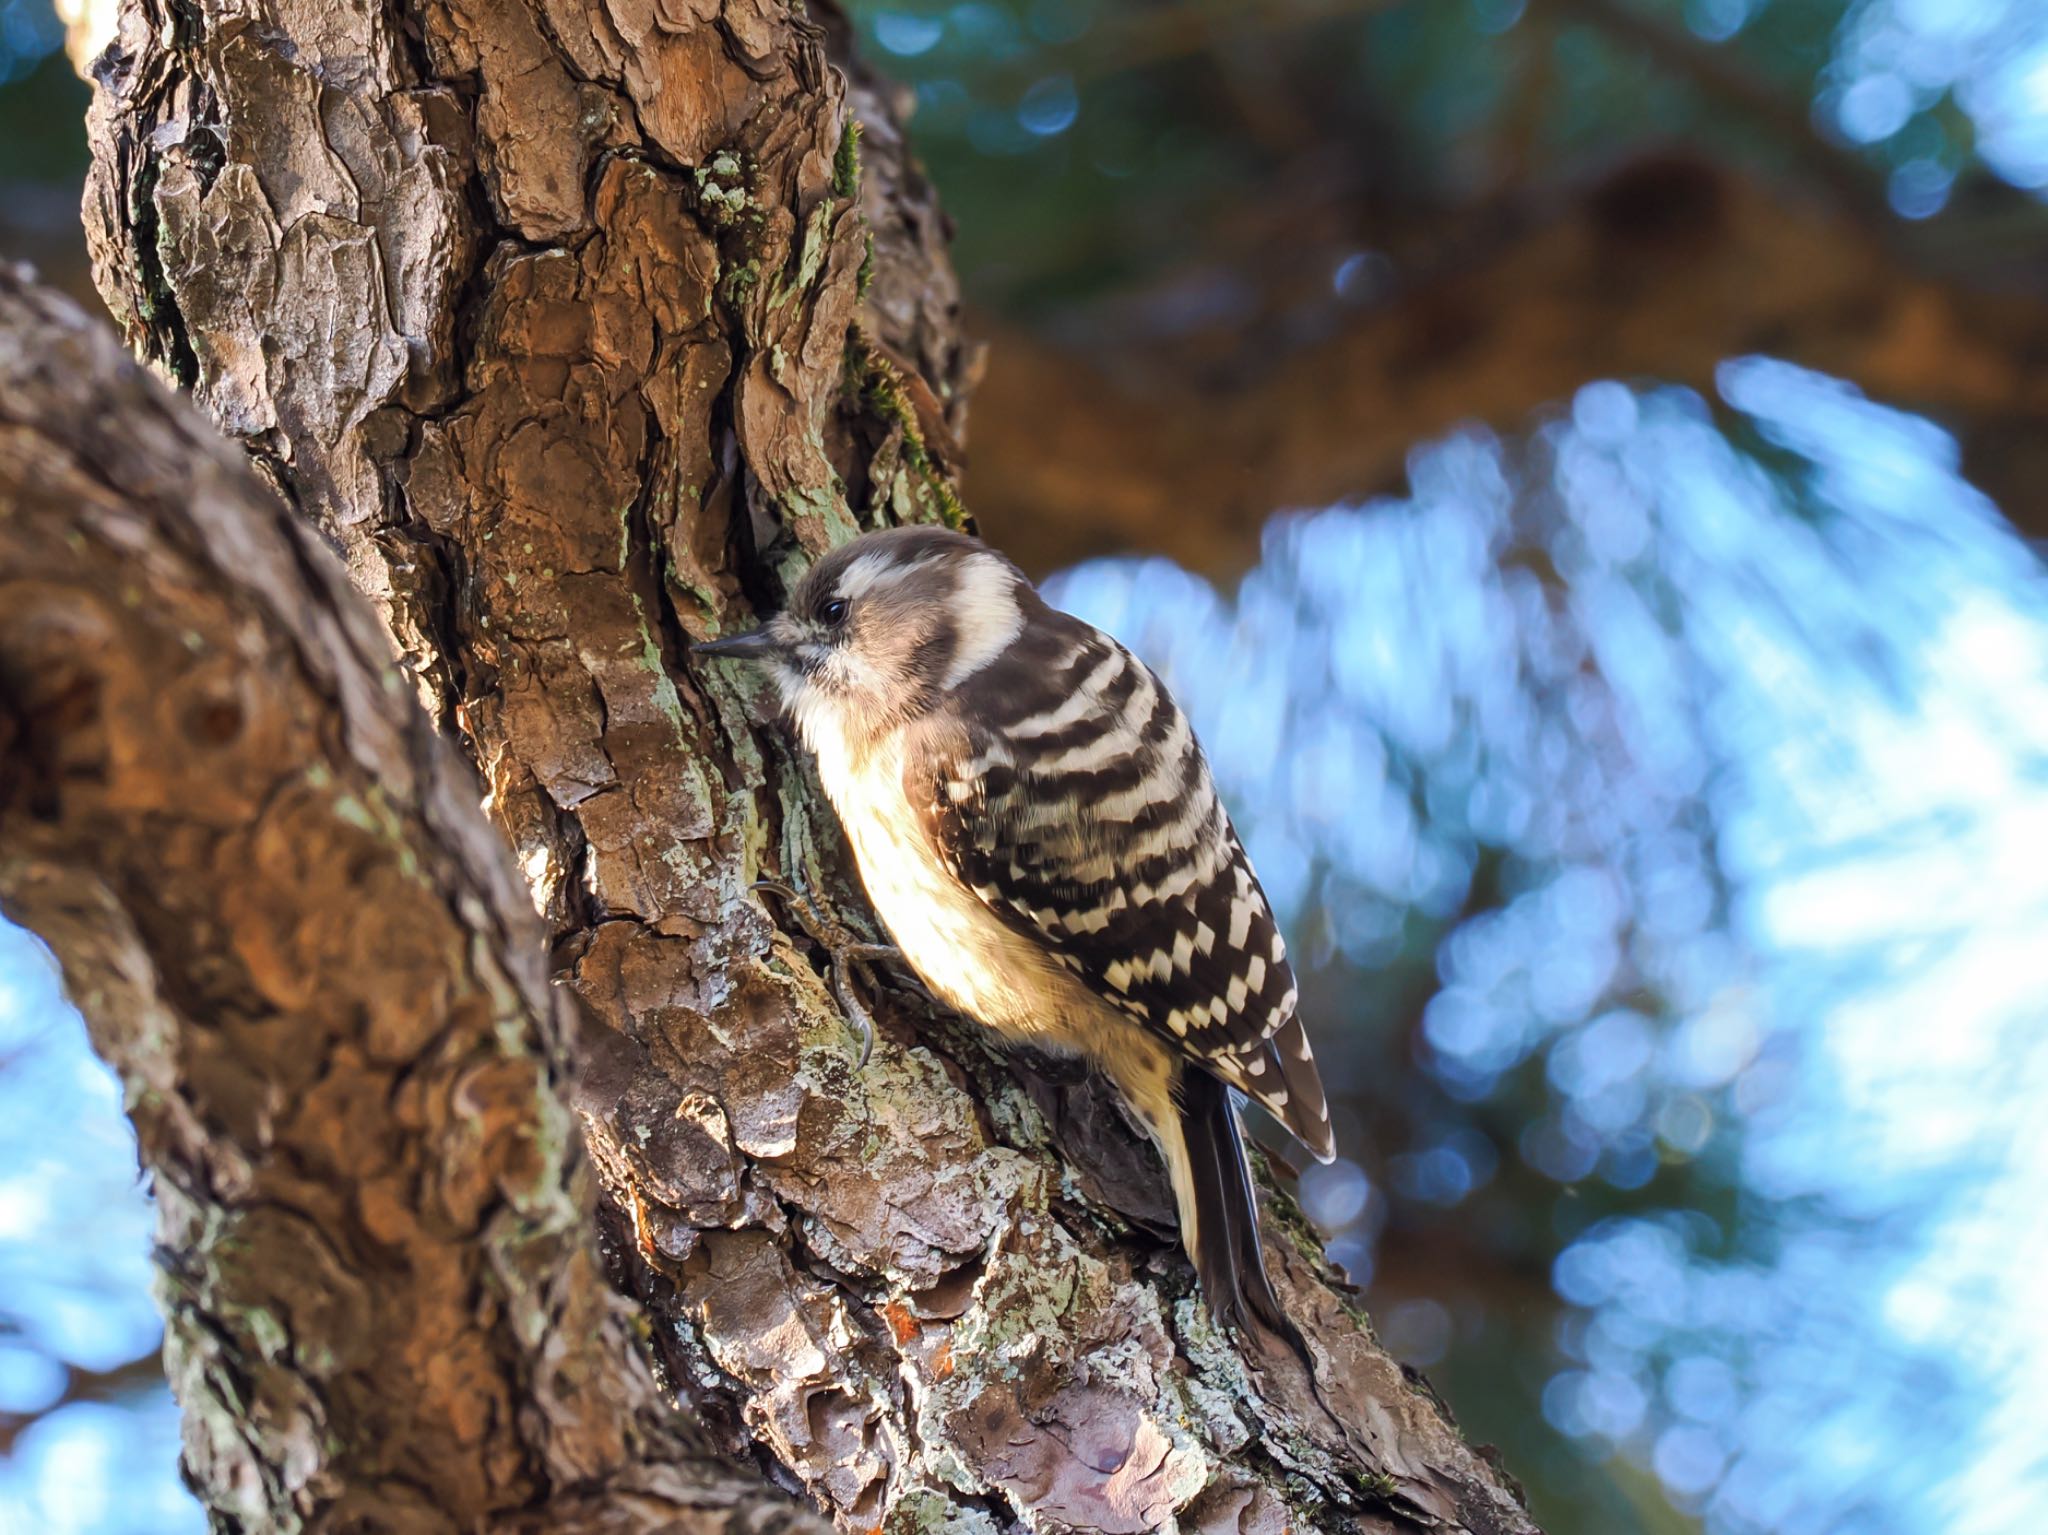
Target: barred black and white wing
[[1069, 794]]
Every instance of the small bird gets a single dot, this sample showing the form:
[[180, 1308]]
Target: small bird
[[1037, 828]]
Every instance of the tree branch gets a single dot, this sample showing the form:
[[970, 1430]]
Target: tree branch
[[1661, 270], [123, 1382], [305, 952], [546, 313], [1718, 72]]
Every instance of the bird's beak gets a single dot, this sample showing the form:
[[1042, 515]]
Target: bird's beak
[[754, 645]]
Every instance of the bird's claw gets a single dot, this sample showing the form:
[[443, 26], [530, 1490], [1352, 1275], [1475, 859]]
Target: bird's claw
[[847, 995], [816, 925], [848, 954]]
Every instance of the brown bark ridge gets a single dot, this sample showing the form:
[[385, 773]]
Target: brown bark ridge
[[563, 322], [299, 941]]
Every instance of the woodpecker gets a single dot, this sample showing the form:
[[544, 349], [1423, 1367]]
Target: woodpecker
[[1038, 830]]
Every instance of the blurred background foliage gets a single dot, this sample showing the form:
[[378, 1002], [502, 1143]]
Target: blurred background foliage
[[1580, 461]]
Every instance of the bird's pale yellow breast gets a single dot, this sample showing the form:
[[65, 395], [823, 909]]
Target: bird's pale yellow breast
[[969, 958]]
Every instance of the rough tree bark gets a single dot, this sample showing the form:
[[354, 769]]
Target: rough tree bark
[[296, 937], [580, 330]]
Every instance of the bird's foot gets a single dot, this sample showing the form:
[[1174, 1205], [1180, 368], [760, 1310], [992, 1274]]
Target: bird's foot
[[851, 955]]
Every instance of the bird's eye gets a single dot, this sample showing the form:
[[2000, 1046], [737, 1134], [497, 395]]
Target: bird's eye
[[833, 612]]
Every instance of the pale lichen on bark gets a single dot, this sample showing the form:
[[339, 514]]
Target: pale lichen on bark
[[542, 312]]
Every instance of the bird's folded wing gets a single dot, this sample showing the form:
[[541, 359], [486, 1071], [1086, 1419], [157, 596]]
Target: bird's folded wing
[[1078, 807]]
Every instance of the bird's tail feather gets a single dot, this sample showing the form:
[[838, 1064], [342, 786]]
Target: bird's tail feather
[[1220, 1215]]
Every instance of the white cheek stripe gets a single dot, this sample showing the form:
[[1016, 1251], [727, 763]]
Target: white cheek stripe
[[877, 568], [985, 613]]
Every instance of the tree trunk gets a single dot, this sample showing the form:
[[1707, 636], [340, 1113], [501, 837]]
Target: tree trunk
[[299, 942], [580, 331]]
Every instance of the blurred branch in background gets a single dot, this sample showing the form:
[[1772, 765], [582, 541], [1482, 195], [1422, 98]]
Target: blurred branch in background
[[1720, 74], [1662, 269], [1241, 258], [1142, 37], [122, 1385]]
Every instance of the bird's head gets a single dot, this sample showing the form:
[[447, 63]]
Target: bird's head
[[883, 628]]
